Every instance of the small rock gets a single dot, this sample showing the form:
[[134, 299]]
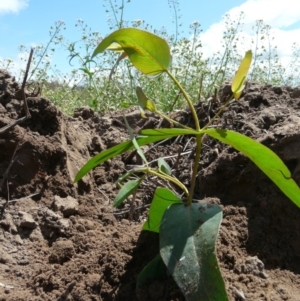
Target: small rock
[[62, 251], [68, 206], [5, 257], [51, 217], [23, 261], [26, 220], [125, 221], [93, 281], [18, 239], [109, 219], [251, 265], [8, 224], [84, 112], [80, 228], [88, 225], [296, 92], [36, 235], [64, 225]]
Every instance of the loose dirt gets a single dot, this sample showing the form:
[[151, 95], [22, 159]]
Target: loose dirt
[[64, 241]]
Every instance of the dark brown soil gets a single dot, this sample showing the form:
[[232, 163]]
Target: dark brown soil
[[64, 241]]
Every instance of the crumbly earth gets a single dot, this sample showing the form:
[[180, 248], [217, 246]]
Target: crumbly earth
[[65, 241]]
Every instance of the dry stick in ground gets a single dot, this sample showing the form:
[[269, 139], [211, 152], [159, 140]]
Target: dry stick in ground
[[9, 126], [27, 116], [12, 161]]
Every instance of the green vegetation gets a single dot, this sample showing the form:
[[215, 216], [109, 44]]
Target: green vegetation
[[187, 230], [88, 83], [177, 75]]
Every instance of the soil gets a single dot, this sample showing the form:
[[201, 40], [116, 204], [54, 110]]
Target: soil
[[65, 241]]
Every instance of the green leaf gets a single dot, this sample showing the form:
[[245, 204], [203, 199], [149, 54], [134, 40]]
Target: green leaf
[[117, 150], [87, 72], [144, 102], [153, 270], [264, 158], [168, 133], [162, 199], [187, 246], [136, 145], [129, 188], [164, 166], [123, 177], [115, 47], [149, 53], [240, 76]]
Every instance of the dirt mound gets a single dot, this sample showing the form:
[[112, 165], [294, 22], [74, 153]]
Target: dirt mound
[[64, 241]]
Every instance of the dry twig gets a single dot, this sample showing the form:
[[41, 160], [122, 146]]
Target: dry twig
[[9, 126]]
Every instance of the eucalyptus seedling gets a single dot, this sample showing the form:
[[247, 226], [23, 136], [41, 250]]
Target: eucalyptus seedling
[[187, 230]]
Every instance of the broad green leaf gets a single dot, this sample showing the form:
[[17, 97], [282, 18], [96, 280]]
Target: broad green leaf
[[187, 246], [163, 166], [120, 149], [168, 132], [153, 270], [136, 146], [240, 76], [162, 199], [129, 188], [264, 158], [149, 53]]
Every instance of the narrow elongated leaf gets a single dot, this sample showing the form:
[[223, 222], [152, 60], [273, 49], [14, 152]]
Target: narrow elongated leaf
[[120, 149], [263, 158], [89, 73], [149, 53], [162, 199], [136, 145], [164, 166], [187, 246], [153, 270], [240, 76], [129, 188], [168, 132], [123, 177]]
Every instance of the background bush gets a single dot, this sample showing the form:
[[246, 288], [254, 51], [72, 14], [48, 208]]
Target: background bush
[[88, 83]]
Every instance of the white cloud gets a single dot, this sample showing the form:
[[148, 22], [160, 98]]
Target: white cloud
[[12, 6], [278, 14]]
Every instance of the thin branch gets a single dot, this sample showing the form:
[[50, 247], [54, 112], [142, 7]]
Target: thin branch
[[21, 120], [12, 161], [11, 125], [24, 84]]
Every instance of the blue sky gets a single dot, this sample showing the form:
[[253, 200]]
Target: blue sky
[[27, 22]]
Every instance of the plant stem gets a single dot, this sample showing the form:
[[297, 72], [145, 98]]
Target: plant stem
[[198, 140], [59, 24], [149, 170], [171, 179], [121, 17], [195, 169], [219, 112], [190, 104], [172, 121]]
